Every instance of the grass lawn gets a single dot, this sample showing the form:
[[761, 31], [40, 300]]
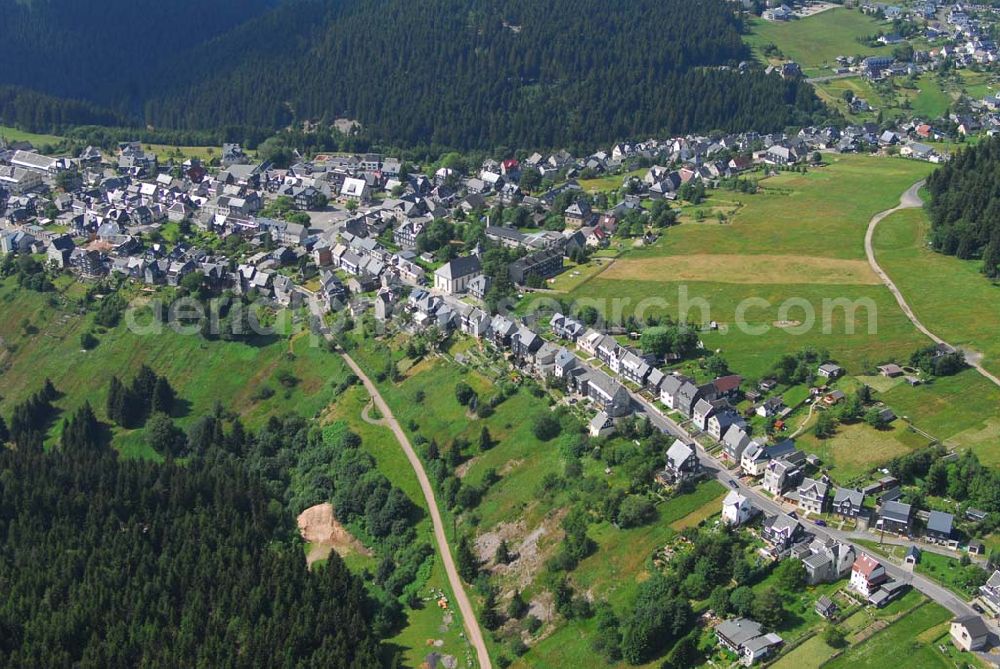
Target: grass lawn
[[205, 153], [816, 41], [201, 371], [612, 182], [753, 354], [900, 639], [810, 655], [801, 236], [856, 448], [947, 571], [960, 410], [822, 213], [575, 276], [832, 93], [930, 281], [976, 85], [15, 135], [931, 102]]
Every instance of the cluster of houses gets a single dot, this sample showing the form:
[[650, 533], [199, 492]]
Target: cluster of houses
[[826, 560], [113, 201]]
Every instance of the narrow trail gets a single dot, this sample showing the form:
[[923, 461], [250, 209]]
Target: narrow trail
[[474, 634], [910, 199]]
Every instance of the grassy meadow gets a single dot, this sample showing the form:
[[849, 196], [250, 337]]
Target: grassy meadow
[[801, 236], [38, 140], [913, 635], [41, 341], [931, 282], [816, 41]]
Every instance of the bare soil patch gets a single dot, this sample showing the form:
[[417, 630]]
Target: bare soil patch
[[530, 549], [320, 527]]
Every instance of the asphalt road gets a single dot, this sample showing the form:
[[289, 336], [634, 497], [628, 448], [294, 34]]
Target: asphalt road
[[769, 506]]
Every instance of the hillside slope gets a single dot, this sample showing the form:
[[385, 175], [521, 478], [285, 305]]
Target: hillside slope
[[105, 51], [444, 73]]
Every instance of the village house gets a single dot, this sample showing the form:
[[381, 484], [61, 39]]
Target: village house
[[578, 214], [867, 575], [989, 592], [826, 608], [969, 633], [734, 441], [848, 502], [812, 494], [828, 561], [607, 393], [736, 509], [781, 475], [780, 531], [828, 370], [565, 327], [896, 517], [747, 639], [721, 422], [939, 527], [682, 464], [601, 425], [541, 264]]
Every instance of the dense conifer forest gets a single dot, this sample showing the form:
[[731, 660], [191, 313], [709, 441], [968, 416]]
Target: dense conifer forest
[[105, 51], [459, 74], [193, 562], [965, 205]]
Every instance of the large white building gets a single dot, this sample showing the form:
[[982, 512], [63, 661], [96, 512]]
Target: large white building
[[454, 276]]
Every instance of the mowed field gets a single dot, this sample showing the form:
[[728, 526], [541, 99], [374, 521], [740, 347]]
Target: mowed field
[[816, 41], [795, 244]]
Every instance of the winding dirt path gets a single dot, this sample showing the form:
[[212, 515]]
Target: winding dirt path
[[472, 630], [910, 199]]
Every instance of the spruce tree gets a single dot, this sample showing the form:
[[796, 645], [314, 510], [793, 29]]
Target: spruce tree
[[162, 399], [113, 406], [143, 386], [485, 439], [465, 559], [49, 390]]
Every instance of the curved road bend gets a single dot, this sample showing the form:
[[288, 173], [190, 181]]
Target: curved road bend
[[911, 200], [472, 630]]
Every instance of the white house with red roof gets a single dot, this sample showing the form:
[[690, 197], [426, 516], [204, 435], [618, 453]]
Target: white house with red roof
[[867, 575]]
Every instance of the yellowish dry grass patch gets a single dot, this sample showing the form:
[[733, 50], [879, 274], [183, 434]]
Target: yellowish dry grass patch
[[732, 268], [707, 511]]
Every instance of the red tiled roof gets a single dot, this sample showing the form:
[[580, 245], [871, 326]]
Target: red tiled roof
[[866, 564]]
